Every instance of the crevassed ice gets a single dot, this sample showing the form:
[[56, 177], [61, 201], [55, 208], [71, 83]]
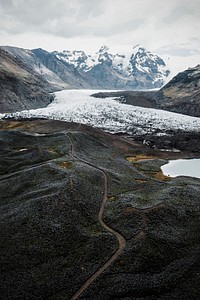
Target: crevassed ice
[[110, 115]]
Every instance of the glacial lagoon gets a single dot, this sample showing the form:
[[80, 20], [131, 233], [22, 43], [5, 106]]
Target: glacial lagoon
[[182, 167]]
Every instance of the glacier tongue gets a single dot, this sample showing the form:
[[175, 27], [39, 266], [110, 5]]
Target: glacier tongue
[[110, 115]]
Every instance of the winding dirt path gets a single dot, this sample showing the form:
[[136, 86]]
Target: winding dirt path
[[120, 238]]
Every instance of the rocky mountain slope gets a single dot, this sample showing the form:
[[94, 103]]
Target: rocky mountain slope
[[182, 93], [89, 215], [67, 73], [59, 74], [20, 88], [27, 77]]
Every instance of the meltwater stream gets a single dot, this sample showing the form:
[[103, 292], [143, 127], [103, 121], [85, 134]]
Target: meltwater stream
[[182, 167]]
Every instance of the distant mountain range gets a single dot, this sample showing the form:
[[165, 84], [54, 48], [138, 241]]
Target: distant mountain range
[[28, 76], [76, 69], [140, 70]]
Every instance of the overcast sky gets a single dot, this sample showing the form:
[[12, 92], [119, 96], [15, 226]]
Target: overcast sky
[[163, 26]]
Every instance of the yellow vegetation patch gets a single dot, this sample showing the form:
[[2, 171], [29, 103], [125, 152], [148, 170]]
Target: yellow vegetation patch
[[172, 92], [10, 125], [139, 157], [111, 198], [140, 235], [129, 210], [140, 180], [64, 164], [160, 176], [51, 150], [70, 184]]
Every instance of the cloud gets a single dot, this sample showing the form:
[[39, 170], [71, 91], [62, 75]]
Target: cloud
[[36, 12], [183, 52], [120, 23], [19, 16], [177, 13]]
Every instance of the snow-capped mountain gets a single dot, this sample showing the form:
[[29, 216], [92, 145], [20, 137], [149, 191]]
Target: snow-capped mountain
[[147, 65], [85, 62], [140, 69], [110, 115]]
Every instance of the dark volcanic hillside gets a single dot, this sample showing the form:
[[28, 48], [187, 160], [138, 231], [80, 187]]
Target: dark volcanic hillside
[[182, 93], [19, 87], [76, 201]]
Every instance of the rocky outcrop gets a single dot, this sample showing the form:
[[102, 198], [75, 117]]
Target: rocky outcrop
[[19, 87], [53, 179]]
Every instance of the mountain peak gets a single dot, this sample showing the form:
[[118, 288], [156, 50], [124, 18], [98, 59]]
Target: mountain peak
[[141, 50], [103, 49], [142, 64]]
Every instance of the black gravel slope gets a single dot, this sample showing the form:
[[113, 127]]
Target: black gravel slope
[[51, 239]]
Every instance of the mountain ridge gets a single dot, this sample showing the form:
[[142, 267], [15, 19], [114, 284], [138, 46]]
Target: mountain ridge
[[141, 69], [76, 69], [20, 88]]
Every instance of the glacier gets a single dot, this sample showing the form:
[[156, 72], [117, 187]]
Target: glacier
[[109, 114]]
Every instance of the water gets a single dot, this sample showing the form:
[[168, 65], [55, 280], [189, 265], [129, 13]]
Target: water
[[182, 167]]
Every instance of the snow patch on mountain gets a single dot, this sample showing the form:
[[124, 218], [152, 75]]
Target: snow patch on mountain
[[137, 64], [110, 115]]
